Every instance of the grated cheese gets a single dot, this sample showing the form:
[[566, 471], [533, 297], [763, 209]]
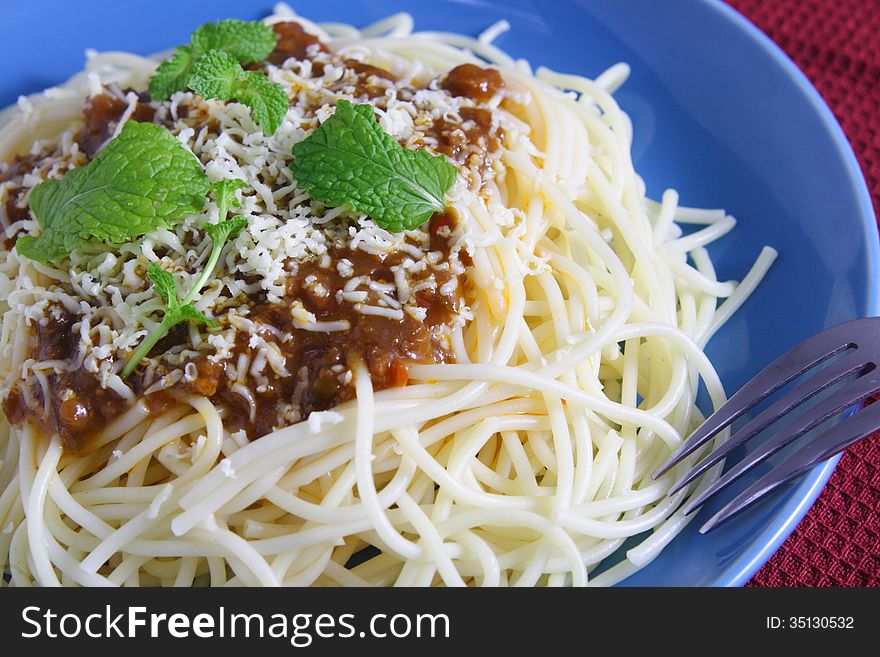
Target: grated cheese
[[113, 301]]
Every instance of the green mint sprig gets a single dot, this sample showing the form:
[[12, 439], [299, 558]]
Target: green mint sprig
[[350, 159], [211, 66], [172, 74], [224, 194], [219, 75], [176, 311], [245, 41], [144, 179]]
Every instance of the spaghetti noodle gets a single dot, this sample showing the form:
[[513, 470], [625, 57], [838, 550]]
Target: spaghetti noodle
[[506, 434]]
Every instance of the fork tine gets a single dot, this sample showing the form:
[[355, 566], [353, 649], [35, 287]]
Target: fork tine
[[851, 430], [826, 409], [850, 364], [797, 360]]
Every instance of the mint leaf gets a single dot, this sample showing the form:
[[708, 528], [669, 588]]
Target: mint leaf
[[245, 41], [175, 313], [189, 313], [172, 74], [163, 283], [217, 74], [214, 75], [144, 179], [221, 232], [223, 192], [350, 159], [268, 101]]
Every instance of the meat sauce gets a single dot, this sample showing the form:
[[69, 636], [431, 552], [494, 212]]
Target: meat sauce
[[473, 81], [19, 166], [368, 77], [475, 137], [318, 364], [318, 361], [293, 41], [13, 207], [78, 406], [101, 114]]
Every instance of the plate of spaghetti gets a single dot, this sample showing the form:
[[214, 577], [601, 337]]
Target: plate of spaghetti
[[402, 295]]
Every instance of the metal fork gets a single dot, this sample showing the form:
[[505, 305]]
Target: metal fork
[[860, 340]]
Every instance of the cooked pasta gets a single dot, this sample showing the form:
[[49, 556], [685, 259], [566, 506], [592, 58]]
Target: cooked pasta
[[480, 400]]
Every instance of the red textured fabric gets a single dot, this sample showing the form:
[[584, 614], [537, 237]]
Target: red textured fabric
[[837, 44]]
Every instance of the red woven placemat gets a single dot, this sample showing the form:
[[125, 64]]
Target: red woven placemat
[[837, 44]]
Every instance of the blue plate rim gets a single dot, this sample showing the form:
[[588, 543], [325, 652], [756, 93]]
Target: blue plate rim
[[801, 498]]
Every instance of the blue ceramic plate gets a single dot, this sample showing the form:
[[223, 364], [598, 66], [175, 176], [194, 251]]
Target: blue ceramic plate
[[719, 113]]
